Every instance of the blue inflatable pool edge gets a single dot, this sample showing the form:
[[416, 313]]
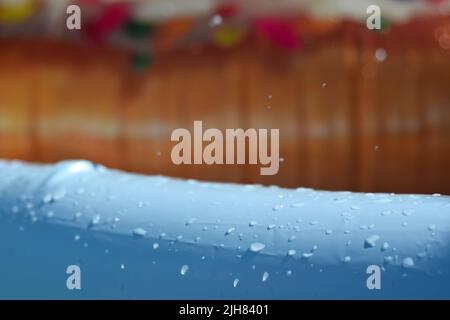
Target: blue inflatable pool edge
[[76, 230]]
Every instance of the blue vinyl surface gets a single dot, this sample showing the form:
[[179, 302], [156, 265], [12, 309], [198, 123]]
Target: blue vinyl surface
[[153, 237]]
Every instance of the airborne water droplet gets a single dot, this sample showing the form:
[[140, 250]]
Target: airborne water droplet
[[265, 276], [271, 226], [289, 273], [257, 247], [184, 269], [235, 282], [384, 246], [347, 259], [328, 232], [252, 223]]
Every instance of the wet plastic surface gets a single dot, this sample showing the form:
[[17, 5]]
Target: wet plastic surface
[[152, 237]]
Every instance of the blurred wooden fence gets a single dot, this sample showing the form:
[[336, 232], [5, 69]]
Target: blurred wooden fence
[[347, 121]]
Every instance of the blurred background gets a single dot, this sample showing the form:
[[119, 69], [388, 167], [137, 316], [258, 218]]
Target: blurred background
[[358, 109]]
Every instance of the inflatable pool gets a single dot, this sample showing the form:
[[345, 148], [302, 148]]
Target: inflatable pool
[[127, 236]]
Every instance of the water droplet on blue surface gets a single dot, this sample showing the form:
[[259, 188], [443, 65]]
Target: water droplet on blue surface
[[384, 246], [408, 262], [291, 252], [230, 231], [257, 247], [265, 276], [370, 241], [407, 212], [139, 232]]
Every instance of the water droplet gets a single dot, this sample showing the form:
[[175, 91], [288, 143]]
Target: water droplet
[[407, 212], [297, 205], [384, 246], [404, 224], [278, 207], [370, 241], [271, 226], [77, 237], [314, 248], [230, 231], [291, 252], [257, 247], [190, 221], [328, 232], [292, 238], [139, 232], [252, 223], [235, 282], [265, 276], [122, 266], [389, 260], [47, 198], [50, 214], [289, 273], [307, 255], [347, 259], [140, 204], [355, 208], [349, 242], [371, 226], [184, 269], [380, 54], [386, 213], [59, 195], [421, 255], [431, 227], [313, 223], [94, 221], [408, 262]]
